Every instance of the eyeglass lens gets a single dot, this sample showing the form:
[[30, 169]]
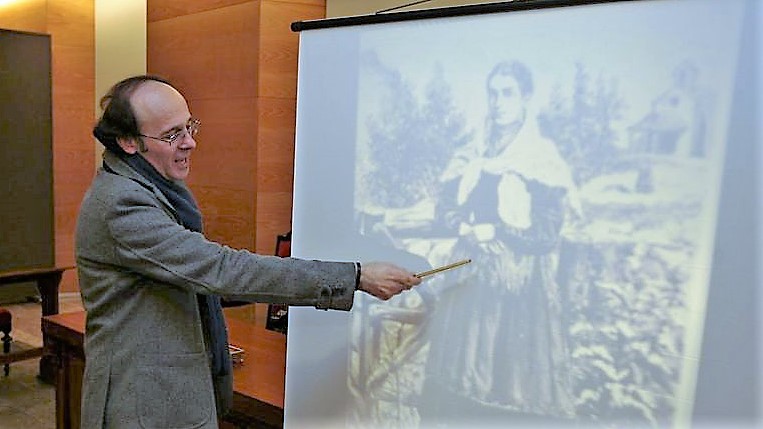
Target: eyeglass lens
[[191, 128]]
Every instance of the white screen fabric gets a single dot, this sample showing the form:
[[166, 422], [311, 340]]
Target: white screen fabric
[[597, 163]]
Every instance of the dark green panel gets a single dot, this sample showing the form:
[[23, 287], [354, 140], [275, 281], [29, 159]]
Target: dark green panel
[[26, 152]]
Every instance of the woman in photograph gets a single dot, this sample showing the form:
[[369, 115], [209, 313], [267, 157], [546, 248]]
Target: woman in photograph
[[497, 344]]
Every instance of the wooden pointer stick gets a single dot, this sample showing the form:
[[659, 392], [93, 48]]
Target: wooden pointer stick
[[443, 268]]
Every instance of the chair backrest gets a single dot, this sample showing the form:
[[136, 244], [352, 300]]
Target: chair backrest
[[283, 245]]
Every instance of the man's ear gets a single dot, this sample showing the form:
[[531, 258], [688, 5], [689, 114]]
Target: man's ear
[[128, 144]]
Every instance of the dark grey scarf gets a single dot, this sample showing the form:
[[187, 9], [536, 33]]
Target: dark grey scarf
[[210, 308]]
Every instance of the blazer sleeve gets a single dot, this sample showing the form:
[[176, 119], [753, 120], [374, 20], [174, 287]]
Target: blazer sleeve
[[151, 243]]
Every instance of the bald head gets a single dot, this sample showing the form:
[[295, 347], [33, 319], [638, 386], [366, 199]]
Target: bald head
[[119, 119], [154, 100], [147, 115]]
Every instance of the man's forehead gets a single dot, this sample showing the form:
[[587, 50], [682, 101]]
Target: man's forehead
[[153, 99], [151, 93]]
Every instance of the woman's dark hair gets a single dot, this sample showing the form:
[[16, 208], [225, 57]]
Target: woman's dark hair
[[118, 119], [518, 71]]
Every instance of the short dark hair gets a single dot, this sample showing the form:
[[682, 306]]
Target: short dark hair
[[118, 118], [518, 71]]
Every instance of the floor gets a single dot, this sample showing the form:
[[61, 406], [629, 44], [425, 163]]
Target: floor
[[25, 402]]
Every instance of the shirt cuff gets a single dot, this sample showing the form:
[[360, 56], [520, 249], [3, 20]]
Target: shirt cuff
[[357, 276]]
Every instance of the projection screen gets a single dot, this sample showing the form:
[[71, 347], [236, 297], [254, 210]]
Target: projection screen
[[598, 163]]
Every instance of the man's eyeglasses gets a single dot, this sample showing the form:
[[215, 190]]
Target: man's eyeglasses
[[191, 129]]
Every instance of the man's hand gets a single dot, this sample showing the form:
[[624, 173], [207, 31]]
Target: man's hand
[[384, 280]]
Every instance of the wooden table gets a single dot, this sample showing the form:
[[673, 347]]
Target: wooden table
[[47, 280], [258, 382]]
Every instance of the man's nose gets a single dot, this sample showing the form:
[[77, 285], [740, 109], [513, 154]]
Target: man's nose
[[187, 141]]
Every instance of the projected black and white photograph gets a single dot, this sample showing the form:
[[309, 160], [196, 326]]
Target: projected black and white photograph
[[578, 169]]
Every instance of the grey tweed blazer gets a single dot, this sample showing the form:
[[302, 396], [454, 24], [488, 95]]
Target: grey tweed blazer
[[139, 272]]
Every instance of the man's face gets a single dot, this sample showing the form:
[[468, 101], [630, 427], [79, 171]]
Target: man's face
[[505, 100], [161, 111]]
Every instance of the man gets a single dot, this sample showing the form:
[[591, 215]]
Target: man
[[155, 340]]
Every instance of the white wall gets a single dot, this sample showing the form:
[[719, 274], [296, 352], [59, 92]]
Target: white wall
[[120, 47]]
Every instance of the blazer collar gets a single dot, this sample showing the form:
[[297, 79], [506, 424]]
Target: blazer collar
[[121, 168]]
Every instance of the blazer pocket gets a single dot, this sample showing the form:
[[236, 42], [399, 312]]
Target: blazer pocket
[[174, 391]]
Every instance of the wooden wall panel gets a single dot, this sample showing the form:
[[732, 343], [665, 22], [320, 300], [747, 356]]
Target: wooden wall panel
[[337, 8], [279, 46], [29, 15], [277, 118], [277, 87], [65, 23], [226, 143], [159, 10], [222, 168], [71, 24], [321, 3], [275, 169], [209, 51], [209, 54]]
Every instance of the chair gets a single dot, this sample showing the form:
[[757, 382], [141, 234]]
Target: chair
[[5, 328], [283, 245], [278, 316]]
